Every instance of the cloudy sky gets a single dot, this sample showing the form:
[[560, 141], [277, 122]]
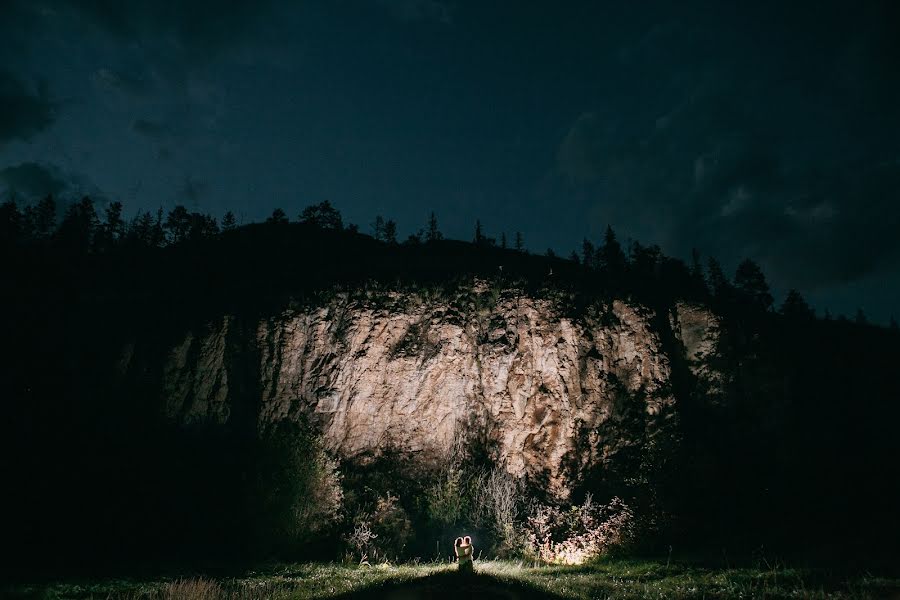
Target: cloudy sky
[[769, 130]]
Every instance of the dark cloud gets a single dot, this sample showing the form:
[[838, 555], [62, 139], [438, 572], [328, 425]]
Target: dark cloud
[[30, 180], [151, 129], [23, 111], [420, 10], [123, 82], [193, 191], [201, 29]]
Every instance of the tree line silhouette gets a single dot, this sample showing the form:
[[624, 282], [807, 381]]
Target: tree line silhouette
[[638, 269]]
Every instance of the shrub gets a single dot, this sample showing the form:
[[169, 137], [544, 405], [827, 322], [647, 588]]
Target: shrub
[[297, 493], [445, 497], [495, 498], [383, 534], [580, 534]]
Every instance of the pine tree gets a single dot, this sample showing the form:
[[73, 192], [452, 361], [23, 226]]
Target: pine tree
[[698, 280], [795, 307], [503, 240], [574, 257], [750, 283], [720, 287], [861, 318], [432, 234], [390, 231], [278, 217], [178, 224], [378, 228], [11, 222], [79, 226], [519, 243], [479, 237], [588, 254], [322, 215], [40, 220], [612, 259], [228, 221], [114, 226]]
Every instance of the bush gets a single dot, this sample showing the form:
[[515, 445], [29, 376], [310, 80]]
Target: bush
[[496, 502], [580, 534], [297, 494], [383, 534]]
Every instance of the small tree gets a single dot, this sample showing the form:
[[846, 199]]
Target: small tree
[[751, 284], [478, 240], [178, 224], [503, 241], [796, 308], [519, 243], [612, 258], [228, 221], [40, 220], [322, 215], [79, 226], [588, 254], [721, 288], [861, 318], [390, 231], [11, 222], [432, 234], [278, 217], [378, 228]]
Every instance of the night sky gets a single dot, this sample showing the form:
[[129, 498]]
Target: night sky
[[769, 130]]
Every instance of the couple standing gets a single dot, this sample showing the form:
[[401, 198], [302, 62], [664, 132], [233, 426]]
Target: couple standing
[[463, 548]]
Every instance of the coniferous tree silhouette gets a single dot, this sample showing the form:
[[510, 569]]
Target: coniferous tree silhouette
[[322, 215], [77, 230], [178, 224], [613, 262], [278, 217], [378, 228], [432, 234], [390, 231], [113, 229], [503, 240], [11, 222], [750, 283], [588, 254], [796, 308], [519, 242], [228, 221], [719, 286], [860, 318], [698, 279], [478, 240], [40, 219]]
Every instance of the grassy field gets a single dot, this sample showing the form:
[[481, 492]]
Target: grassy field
[[494, 579]]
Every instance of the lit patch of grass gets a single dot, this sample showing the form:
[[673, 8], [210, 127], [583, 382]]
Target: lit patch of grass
[[615, 579]]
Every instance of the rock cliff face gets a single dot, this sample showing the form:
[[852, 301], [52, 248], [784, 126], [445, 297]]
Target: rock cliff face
[[550, 394]]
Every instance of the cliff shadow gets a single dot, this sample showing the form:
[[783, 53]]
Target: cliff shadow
[[451, 586]]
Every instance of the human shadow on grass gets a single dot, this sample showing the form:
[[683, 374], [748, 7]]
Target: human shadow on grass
[[450, 585]]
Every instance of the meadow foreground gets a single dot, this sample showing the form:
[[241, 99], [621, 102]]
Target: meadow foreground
[[618, 579]]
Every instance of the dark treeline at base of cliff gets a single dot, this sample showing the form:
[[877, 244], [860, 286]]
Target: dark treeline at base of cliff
[[799, 463]]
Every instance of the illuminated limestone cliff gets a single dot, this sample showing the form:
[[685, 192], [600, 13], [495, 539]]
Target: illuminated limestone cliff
[[550, 394]]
